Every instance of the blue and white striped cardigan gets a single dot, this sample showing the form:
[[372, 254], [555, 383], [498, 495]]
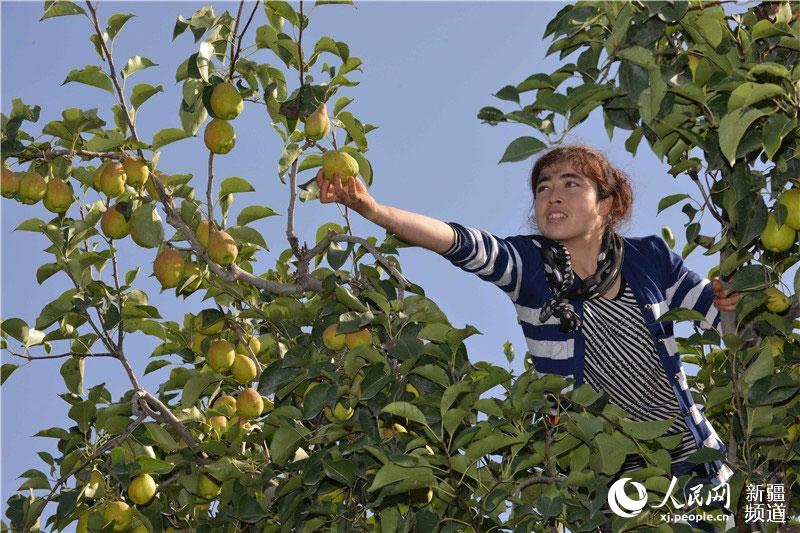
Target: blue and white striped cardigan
[[655, 274]]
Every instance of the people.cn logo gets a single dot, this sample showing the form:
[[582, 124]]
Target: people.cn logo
[[621, 503]]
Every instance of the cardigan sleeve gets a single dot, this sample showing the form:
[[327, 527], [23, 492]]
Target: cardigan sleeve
[[491, 258], [686, 289]]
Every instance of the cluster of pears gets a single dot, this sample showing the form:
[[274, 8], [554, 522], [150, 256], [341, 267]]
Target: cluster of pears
[[226, 104], [30, 187], [779, 238], [117, 514], [172, 270], [337, 341], [247, 405], [223, 357]]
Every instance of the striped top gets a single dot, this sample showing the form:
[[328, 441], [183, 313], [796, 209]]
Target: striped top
[[657, 277], [621, 360]]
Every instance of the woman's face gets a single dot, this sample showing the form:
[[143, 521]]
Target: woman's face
[[567, 206]]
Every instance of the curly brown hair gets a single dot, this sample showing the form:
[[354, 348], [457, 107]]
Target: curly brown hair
[[592, 163]]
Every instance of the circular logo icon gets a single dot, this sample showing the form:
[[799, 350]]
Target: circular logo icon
[[623, 505]]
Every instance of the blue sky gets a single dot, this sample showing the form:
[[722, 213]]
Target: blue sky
[[427, 69]]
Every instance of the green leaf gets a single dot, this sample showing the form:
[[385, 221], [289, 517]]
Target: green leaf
[[670, 200], [392, 473], [152, 366], [135, 64], [647, 430], [610, 454], [254, 212], [681, 314], [248, 235], [115, 23], [142, 92], [60, 8], [160, 436], [285, 441], [521, 149], [749, 93], [289, 155], [342, 471], [151, 465], [167, 136], [340, 104], [32, 224], [354, 128], [406, 410], [235, 184], [46, 270], [105, 141], [750, 277], [6, 370], [196, 386], [147, 224], [72, 372], [90, 75], [732, 128]]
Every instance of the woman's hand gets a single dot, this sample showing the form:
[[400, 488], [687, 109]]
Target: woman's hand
[[724, 300], [354, 194]]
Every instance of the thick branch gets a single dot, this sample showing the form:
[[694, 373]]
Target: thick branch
[[165, 415]]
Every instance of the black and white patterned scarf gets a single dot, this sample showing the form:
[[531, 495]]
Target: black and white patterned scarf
[[567, 286]]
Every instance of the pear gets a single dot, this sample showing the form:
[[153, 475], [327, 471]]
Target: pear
[[249, 403], [112, 179], [317, 124], [168, 268], [225, 404], [150, 188], [115, 222], [243, 369], [220, 355], [97, 174], [32, 187], [203, 232], [777, 238], [332, 340], [777, 302], [226, 102], [222, 248], [220, 137], [208, 487], [10, 182], [119, 514], [136, 171], [251, 341], [142, 489], [357, 338], [338, 162], [791, 199], [58, 196]]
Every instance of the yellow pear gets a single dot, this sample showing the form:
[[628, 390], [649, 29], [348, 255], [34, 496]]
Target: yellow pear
[[136, 171], [332, 340], [208, 487], [220, 355], [243, 369], [317, 124], [58, 196], [777, 302], [97, 173], [357, 338], [119, 513], [168, 268], [142, 489], [339, 413], [115, 221], [249, 403], [251, 341], [9, 185], [226, 101], [777, 238], [203, 232], [791, 199], [32, 187], [225, 404], [391, 431], [338, 162], [220, 137], [209, 321], [222, 248], [218, 423], [112, 179]]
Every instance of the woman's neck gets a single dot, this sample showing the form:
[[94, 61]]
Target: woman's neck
[[584, 251]]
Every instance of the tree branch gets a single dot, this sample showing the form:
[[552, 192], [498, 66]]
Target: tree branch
[[58, 356]]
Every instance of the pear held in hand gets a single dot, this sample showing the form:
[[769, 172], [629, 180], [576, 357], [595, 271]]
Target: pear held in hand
[[338, 162]]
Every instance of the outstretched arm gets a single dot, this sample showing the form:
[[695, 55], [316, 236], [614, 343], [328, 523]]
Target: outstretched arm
[[413, 228]]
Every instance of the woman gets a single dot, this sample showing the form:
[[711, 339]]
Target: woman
[[587, 299]]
